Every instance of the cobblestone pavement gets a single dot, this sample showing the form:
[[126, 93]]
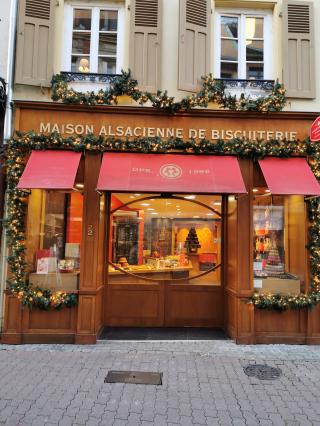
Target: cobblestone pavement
[[203, 384]]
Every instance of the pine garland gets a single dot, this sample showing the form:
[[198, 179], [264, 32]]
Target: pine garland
[[22, 143], [211, 91]]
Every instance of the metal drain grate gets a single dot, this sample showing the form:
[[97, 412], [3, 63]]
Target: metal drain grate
[[263, 372], [134, 377]]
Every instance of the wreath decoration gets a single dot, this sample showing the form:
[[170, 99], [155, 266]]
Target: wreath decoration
[[22, 143]]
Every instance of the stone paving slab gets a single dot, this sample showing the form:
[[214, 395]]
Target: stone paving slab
[[203, 384]]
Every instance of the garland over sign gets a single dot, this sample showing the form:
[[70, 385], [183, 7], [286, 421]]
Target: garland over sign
[[211, 91], [20, 145]]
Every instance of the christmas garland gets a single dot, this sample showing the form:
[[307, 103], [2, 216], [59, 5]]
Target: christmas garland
[[21, 144], [211, 91]]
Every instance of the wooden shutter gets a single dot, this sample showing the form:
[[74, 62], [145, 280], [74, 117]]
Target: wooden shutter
[[145, 49], [35, 42], [194, 43], [298, 49]]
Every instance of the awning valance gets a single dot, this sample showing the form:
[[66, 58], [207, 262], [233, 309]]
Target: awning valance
[[50, 170], [170, 173], [289, 176]]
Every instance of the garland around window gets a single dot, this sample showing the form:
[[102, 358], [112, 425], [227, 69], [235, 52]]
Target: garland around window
[[211, 91], [22, 143]]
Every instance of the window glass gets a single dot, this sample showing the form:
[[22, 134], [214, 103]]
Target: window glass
[[242, 47], [107, 61], [229, 27], [174, 238], [229, 47], [279, 242], [94, 40], [54, 232], [81, 40]]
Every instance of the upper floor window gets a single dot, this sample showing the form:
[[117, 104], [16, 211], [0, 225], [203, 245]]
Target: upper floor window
[[94, 39], [242, 45]]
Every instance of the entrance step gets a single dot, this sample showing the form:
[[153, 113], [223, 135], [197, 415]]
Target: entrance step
[[162, 333]]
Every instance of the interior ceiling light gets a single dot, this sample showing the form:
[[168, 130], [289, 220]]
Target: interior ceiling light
[[267, 190], [190, 197], [255, 190], [145, 204], [154, 213], [150, 210], [79, 185], [217, 203]]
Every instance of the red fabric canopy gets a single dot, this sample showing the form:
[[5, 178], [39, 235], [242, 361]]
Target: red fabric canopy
[[170, 173], [50, 170], [291, 176]]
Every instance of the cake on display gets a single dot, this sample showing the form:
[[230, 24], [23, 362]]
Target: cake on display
[[274, 267]]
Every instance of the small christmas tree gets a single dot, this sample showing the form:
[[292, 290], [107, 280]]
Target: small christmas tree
[[192, 242]]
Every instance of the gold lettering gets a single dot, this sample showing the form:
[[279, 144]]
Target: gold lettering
[[89, 128], [215, 134], [229, 134], [160, 132], [202, 133], [69, 129], [128, 132], [137, 131], [45, 127], [193, 133], [119, 131], [103, 131]]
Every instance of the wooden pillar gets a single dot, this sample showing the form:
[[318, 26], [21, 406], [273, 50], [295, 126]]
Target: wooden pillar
[[89, 322], [239, 319]]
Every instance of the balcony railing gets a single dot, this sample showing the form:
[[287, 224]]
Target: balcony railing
[[253, 88], [89, 77]]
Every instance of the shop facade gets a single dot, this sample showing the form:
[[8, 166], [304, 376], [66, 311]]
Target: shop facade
[[179, 235]]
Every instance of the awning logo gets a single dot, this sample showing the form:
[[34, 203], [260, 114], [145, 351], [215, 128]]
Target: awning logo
[[170, 171]]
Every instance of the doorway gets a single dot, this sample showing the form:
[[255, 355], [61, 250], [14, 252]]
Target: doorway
[[164, 260]]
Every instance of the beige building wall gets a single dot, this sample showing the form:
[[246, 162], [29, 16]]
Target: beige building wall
[[170, 42]]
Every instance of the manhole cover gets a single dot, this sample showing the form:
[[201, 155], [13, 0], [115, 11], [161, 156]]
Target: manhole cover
[[262, 372], [134, 377]]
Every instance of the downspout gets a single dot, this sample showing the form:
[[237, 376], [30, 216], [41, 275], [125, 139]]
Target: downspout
[[8, 128]]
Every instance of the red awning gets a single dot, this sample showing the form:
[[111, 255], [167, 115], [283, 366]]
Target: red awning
[[50, 170], [291, 176], [170, 173]]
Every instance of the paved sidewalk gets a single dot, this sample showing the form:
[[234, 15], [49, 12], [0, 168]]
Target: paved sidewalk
[[203, 384]]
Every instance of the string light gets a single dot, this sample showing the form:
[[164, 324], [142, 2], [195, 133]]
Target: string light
[[211, 91]]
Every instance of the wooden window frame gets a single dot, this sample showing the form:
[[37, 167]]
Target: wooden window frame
[[242, 14], [94, 42]]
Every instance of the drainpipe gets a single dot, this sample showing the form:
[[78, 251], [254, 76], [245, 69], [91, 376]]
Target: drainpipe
[[8, 128]]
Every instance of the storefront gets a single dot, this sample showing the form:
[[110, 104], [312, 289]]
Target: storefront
[[144, 233]]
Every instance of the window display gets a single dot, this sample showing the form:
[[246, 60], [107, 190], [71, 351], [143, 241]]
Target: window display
[[174, 237], [279, 241], [54, 236]]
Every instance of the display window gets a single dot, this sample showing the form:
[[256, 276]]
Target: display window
[[279, 242], [170, 237], [54, 232]]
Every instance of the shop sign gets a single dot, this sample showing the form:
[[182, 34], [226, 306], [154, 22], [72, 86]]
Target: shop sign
[[121, 131], [315, 131]]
